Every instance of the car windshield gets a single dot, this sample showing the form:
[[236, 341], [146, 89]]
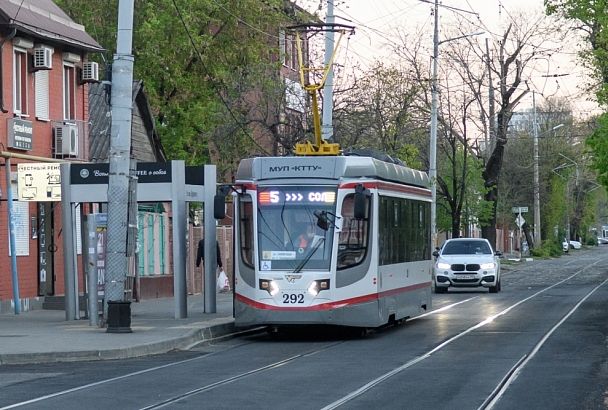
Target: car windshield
[[472, 247], [288, 235]]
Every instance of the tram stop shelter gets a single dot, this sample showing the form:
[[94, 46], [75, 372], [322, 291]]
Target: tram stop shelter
[[156, 182]]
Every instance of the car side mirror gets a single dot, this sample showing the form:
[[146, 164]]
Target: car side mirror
[[436, 254], [498, 253]]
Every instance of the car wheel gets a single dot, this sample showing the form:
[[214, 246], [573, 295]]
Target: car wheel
[[495, 289], [440, 290]]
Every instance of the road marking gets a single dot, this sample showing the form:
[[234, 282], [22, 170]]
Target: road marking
[[512, 375], [363, 389]]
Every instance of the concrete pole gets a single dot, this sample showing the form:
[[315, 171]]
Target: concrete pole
[[69, 249], [537, 238], [120, 150], [91, 251], [433, 139], [327, 130], [210, 233], [178, 208]]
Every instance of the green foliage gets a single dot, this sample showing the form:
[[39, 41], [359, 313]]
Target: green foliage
[[197, 58], [475, 209], [591, 17], [598, 141], [380, 112], [549, 248], [554, 212]]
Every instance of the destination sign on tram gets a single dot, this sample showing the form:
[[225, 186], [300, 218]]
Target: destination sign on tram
[[296, 196]]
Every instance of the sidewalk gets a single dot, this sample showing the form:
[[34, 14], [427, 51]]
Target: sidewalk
[[42, 336]]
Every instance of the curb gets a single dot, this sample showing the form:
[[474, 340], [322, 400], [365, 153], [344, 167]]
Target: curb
[[194, 337]]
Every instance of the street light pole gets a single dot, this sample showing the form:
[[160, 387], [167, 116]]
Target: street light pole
[[433, 139], [536, 178]]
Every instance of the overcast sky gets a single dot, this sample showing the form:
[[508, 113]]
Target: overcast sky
[[377, 22]]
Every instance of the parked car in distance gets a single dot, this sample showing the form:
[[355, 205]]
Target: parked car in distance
[[571, 244], [466, 262], [602, 241]]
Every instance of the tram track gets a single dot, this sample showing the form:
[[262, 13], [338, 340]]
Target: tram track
[[179, 397], [498, 391], [512, 374], [510, 377]]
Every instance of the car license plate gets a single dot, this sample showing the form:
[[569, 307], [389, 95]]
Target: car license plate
[[466, 276]]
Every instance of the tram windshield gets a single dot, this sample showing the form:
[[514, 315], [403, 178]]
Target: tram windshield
[[288, 235]]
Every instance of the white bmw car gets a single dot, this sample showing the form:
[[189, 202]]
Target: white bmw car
[[466, 262]]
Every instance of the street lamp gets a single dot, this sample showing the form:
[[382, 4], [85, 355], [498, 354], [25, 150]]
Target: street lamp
[[537, 238], [433, 139]]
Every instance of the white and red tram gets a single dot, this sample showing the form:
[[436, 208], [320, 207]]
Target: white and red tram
[[367, 257]]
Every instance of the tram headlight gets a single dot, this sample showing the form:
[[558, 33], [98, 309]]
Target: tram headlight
[[317, 286], [270, 286]]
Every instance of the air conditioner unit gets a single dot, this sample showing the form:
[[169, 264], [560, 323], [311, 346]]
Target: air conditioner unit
[[43, 58], [90, 72], [66, 140], [22, 42], [71, 57]]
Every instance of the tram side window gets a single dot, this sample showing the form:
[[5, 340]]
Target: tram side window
[[403, 230], [246, 229], [353, 240]]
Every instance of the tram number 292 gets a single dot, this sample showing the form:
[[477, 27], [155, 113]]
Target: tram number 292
[[293, 298]]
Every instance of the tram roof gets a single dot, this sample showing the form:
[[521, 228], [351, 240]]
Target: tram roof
[[330, 168]]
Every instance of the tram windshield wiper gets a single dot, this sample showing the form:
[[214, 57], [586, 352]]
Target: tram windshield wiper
[[316, 246]]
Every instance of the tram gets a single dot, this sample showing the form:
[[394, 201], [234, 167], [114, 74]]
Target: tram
[[324, 237], [334, 240]]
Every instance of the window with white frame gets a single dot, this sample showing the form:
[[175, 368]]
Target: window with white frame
[[19, 81], [41, 79], [288, 50], [69, 91]]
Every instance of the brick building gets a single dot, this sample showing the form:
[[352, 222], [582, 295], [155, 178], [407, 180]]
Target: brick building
[[44, 78]]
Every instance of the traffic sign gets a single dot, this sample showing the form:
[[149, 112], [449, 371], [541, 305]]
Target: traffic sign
[[519, 209], [520, 221]]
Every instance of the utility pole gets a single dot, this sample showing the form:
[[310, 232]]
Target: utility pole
[[120, 152], [537, 238], [434, 103], [327, 130], [492, 112], [433, 142]]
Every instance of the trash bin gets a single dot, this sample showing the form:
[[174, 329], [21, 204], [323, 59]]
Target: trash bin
[[119, 316]]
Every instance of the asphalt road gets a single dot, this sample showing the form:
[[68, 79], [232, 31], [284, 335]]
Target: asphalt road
[[541, 343]]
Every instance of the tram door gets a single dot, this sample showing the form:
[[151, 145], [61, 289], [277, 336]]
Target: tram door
[[46, 249]]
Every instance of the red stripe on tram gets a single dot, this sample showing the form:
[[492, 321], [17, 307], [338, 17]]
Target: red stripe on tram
[[332, 305]]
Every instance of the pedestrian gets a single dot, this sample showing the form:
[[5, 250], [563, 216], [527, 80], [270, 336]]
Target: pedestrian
[[223, 283], [200, 253]]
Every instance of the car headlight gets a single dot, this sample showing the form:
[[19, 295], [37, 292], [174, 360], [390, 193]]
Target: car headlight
[[317, 286], [443, 265], [490, 265], [270, 286]]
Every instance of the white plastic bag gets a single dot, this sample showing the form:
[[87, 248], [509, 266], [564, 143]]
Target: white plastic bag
[[223, 284]]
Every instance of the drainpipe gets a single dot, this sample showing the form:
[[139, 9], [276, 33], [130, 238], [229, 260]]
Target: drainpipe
[[11, 238], [4, 40]]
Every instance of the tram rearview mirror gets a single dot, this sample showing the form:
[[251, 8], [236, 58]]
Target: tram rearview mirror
[[359, 206], [219, 206], [322, 221]]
